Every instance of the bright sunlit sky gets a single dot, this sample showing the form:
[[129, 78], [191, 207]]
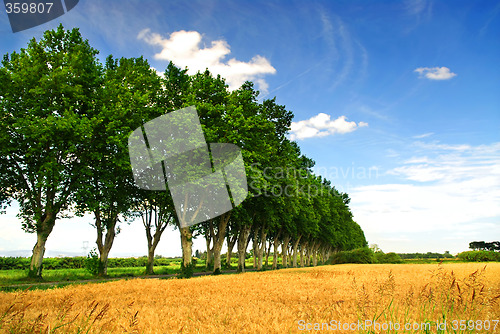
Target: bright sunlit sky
[[398, 102]]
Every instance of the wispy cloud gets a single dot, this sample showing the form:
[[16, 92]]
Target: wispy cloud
[[371, 112], [423, 135], [446, 188], [437, 146], [321, 125], [418, 11], [341, 48], [416, 7], [184, 49], [435, 73]]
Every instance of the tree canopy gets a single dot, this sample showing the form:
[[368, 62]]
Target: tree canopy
[[66, 120]]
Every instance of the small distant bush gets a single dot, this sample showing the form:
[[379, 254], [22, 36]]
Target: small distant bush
[[186, 271], [64, 263], [479, 256], [381, 257], [359, 255], [92, 262]]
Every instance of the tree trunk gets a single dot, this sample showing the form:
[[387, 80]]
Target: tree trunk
[[322, 252], [242, 246], [231, 241], [187, 251], [261, 248], [103, 261], [303, 246], [209, 237], [219, 240], [44, 228], [254, 250], [295, 246], [308, 255], [259, 245], [210, 256], [151, 261], [315, 254], [284, 250], [275, 255], [151, 249], [160, 222], [104, 247], [267, 254], [37, 256]]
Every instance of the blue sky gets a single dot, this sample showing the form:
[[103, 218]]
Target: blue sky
[[397, 102]]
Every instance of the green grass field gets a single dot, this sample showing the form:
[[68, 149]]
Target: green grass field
[[15, 277]]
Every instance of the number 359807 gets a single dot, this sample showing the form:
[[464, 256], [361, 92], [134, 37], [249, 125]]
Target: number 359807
[[28, 7]]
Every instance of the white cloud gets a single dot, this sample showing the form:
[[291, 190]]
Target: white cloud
[[452, 163], [423, 135], [436, 146], [184, 50], [321, 125], [435, 73], [446, 192]]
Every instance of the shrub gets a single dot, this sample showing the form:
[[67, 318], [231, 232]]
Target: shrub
[[391, 257], [479, 256], [23, 263], [359, 255], [92, 262], [186, 271], [7, 263]]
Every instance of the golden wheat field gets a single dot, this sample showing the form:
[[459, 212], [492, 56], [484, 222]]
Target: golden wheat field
[[336, 299]]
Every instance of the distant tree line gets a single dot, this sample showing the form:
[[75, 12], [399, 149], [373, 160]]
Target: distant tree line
[[66, 119], [481, 245], [428, 255]]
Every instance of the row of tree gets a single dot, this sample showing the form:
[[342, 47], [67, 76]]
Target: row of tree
[[66, 119], [482, 245]]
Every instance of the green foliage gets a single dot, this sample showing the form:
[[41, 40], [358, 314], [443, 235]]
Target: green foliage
[[428, 255], [482, 245], [78, 262], [359, 255], [47, 92], [479, 256], [186, 271], [92, 263], [381, 257], [9, 263], [68, 117]]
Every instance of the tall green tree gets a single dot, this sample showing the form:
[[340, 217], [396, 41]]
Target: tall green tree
[[130, 94], [177, 95], [47, 99]]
